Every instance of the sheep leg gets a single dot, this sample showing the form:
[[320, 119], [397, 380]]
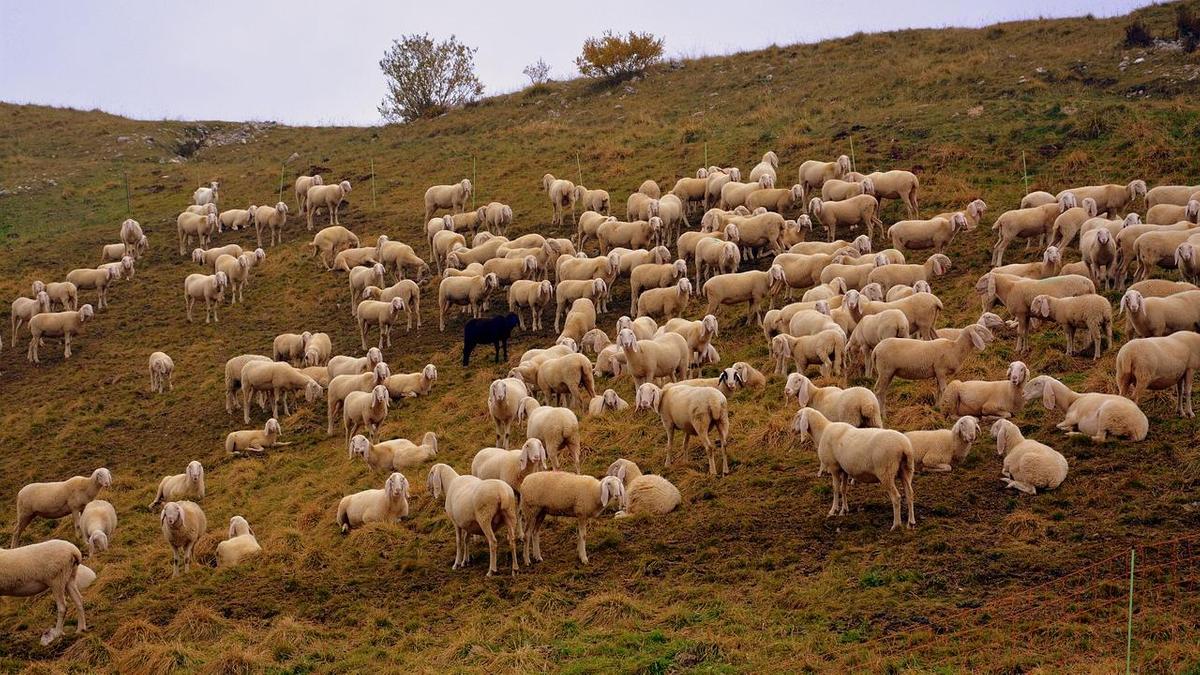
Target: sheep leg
[[666, 454], [459, 535], [67, 344], [1023, 487], [485, 525], [938, 468], [837, 491], [77, 598], [537, 536], [61, 604], [581, 544]]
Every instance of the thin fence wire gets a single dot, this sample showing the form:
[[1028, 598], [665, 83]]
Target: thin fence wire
[[1088, 614]]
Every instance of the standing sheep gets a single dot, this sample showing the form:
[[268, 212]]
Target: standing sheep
[[856, 406], [303, 183], [1156, 317], [382, 315], [1111, 199], [476, 506], [278, 379], [696, 411], [1028, 465], [1089, 312], [52, 565], [183, 523], [556, 428], [200, 226], [94, 280], [453, 197], [56, 324], [365, 409], [1160, 363], [559, 493], [207, 287], [853, 212], [749, 287], [389, 504], [504, 405], [1027, 223], [96, 525], [912, 359], [562, 197], [24, 309], [472, 292], [813, 174], [328, 197], [273, 218]]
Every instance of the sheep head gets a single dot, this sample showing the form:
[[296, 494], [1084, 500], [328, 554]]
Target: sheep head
[[1018, 372], [1185, 256], [1066, 201], [648, 397], [958, 221], [547, 180], [978, 335], [533, 452], [239, 526], [195, 471], [1089, 207], [172, 515], [966, 428], [1130, 220], [626, 340], [611, 399], [102, 477], [398, 304], [1006, 434], [396, 486], [313, 390], [732, 234], [381, 372], [771, 158], [685, 287], [734, 173], [611, 488], [842, 166], [814, 205], [939, 263], [977, 208], [374, 356], [43, 300], [709, 326], [922, 286], [99, 541], [198, 256], [702, 173], [851, 300], [526, 407], [802, 423], [599, 287], [1136, 188], [221, 279], [1133, 302], [86, 313], [434, 482], [570, 344], [799, 386]]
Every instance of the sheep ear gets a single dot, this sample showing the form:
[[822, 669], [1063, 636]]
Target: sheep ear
[[978, 340], [1048, 398], [604, 492]]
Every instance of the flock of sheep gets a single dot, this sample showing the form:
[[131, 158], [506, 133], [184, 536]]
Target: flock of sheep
[[862, 310]]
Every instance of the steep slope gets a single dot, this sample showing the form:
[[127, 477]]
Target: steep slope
[[750, 575]]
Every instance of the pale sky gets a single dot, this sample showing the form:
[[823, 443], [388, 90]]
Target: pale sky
[[304, 62]]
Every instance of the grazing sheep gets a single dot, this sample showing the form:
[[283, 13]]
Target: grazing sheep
[[240, 545], [348, 259], [940, 449], [472, 292], [162, 372], [985, 398], [1160, 363], [207, 287], [556, 428], [813, 174], [825, 349], [936, 233], [476, 506], [233, 377], [564, 494], [317, 349], [938, 359], [453, 197], [186, 485], [253, 440], [53, 565], [645, 494], [365, 409], [56, 324], [1090, 312], [873, 329], [1027, 223], [329, 197], [351, 365], [504, 405], [330, 241], [278, 379], [96, 525], [411, 385], [24, 309], [856, 406], [1017, 294], [853, 212], [1111, 199], [696, 411], [396, 454], [273, 218], [183, 523], [1092, 414], [609, 400], [862, 455], [387, 505], [380, 314], [1028, 465], [290, 346], [749, 287], [1156, 317]]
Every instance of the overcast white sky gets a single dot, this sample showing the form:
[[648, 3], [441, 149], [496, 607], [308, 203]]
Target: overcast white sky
[[305, 62]]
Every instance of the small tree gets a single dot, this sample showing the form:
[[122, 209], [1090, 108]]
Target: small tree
[[615, 56], [538, 73], [425, 78]]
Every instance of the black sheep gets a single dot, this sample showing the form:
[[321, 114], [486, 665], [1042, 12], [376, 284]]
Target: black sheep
[[492, 330]]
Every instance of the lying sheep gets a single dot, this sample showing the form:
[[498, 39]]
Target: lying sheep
[[1160, 363], [208, 257], [1084, 312], [645, 494], [564, 494], [940, 449], [96, 525], [186, 485], [329, 197], [985, 398], [696, 411], [56, 324], [471, 292], [183, 523], [912, 359], [866, 455], [53, 565], [1028, 465], [411, 385], [1092, 414], [207, 287], [476, 506], [609, 400], [239, 546], [387, 505], [396, 454], [252, 440]]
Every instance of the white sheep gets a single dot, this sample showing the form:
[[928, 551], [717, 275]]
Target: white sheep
[[696, 411], [58, 499], [1160, 363], [896, 184], [276, 380], [1112, 199], [98, 279], [476, 506], [1170, 194], [561, 193], [825, 349], [912, 359], [645, 494], [386, 505], [860, 211], [863, 455], [1028, 465], [564, 494], [533, 295], [24, 309], [411, 385], [240, 545], [1017, 294], [183, 523], [207, 195], [1092, 414], [133, 237], [556, 428], [53, 565], [62, 294], [935, 233], [471, 291], [273, 218], [186, 485], [940, 449], [813, 173], [1156, 317], [317, 349], [365, 409], [329, 197], [973, 212], [856, 406], [207, 287], [379, 314], [986, 398], [609, 400], [96, 525], [1099, 250], [1027, 223], [351, 365], [1084, 312], [452, 197], [510, 466], [749, 287], [253, 440], [396, 454]]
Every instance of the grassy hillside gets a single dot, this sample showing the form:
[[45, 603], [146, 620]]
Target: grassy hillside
[[749, 575]]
